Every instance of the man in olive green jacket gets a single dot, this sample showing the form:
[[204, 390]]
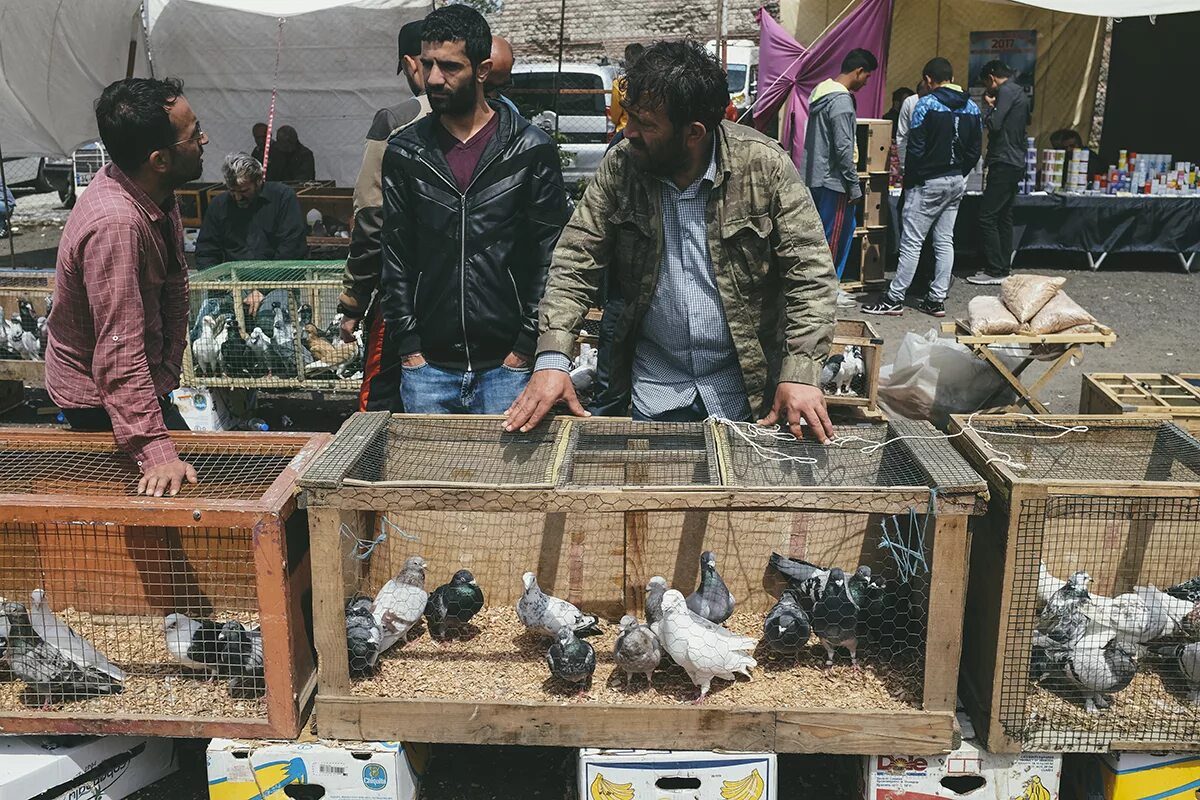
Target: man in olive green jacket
[[707, 231]]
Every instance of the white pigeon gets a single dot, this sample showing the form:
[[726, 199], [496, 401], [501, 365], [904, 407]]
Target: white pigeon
[[401, 602], [59, 635], [850, 368], [544, 614], [206, 351], [1047, 584], [704, 653], [26, 344], [281, 332], [193, 643], [259, 342], [1132, 620], [1173, 608]]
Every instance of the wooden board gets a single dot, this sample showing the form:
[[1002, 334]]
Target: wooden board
[[1139, 393], [874, 144], [1103, 336], [861, 334]]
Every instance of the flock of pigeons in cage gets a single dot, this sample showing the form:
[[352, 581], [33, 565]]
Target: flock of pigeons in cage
[[58, 665], [1089, 647], [23, 336], [840, 610], [219, 348]]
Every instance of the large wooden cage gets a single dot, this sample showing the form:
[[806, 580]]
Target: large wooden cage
[[36, 286], [595, 508], [114, 566], [1144, 393], [1117, 498]]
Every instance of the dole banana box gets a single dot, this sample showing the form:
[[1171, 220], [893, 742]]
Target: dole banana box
[[969, 771], [611, 774]]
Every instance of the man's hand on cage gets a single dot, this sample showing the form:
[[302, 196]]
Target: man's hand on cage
[[166, 478], [796, 401], [348, 326], [253, 301], [546, 388]]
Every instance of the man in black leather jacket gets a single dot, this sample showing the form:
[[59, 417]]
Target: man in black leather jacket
[[473, 203]]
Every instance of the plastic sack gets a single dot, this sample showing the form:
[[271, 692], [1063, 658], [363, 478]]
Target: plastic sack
[[933, 378], [990, 317], [1026, 294], [1059, 314]]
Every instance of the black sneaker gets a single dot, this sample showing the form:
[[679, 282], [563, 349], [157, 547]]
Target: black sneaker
[[982, 278], [884, 307], [934, 308]]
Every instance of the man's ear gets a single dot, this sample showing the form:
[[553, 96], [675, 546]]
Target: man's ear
[[159, 160], [696, 133], [483, 70]]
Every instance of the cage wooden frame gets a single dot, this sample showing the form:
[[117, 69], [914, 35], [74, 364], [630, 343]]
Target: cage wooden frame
[[272, 518], [16, 285], [990, 595], [340, 714], [1144, 393], [858, 332]]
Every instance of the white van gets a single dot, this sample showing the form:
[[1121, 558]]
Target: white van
[[580, 115], [741, 58]]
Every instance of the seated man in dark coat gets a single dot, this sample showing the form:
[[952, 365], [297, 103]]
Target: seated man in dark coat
[[289, 160], [255, 220]]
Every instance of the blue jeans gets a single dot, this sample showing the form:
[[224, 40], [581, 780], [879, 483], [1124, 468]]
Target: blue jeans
[[929, 209], [435, 390]]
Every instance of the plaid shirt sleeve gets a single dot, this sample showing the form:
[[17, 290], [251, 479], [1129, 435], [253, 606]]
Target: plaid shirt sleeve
[[110, 259]]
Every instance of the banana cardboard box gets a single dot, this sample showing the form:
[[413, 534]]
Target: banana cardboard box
[[1141, 776], [82, 767], [675, 775], [244, 770], [968, 771]]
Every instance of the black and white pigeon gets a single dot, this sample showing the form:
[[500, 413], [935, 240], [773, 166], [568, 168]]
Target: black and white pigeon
[[808, 578], [237, 359], [50, 677], [1188, 590], [1062, 624], [56, 633], [1098, 668], [835, 618], [571, 659], [400, 603], [545, 615], [1185, 658], [28, 318], [363, 636], [451, 605], [712, 598], [867, 592], [637, 650], [242, 660], [786, 628], [193, 642], [829, 371]]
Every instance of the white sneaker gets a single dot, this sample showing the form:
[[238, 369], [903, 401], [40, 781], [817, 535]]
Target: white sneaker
[[844, 300]]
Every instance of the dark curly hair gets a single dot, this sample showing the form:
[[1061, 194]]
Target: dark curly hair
[[460, 23], [133, 116], [683, 78]]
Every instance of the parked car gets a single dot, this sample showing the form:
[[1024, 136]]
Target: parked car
[[577, 115], [741, 67]]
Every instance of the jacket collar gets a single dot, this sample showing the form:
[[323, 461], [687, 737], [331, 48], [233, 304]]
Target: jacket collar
[[151, 209], [429, 149]]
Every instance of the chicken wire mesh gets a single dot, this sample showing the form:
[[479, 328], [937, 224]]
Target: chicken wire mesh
[[1103, 631], [270, 325], [26, 297], [129, 621], [621, 453]]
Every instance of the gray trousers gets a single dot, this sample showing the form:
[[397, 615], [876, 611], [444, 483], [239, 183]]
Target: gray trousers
[[931, 207]]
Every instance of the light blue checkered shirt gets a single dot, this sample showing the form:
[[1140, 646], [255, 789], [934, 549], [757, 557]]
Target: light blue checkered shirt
[[684, 347]]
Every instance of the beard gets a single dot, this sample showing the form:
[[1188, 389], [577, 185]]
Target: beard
[[661, 160], [452, 102]]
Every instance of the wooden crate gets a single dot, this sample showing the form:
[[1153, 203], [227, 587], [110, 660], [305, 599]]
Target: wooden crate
[[1140, 393], [35, 286], [875, 199], [859, 333], [193, 202], [865, 263], [594, 508], [334, 203], [874, 144], [113, 564], [1120, 500]]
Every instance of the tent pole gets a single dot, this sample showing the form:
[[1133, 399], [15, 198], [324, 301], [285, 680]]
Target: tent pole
[[562, 32], [12, 246]]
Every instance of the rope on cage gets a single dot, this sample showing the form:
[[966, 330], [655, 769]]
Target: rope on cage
[[363, 547], [387, 526]]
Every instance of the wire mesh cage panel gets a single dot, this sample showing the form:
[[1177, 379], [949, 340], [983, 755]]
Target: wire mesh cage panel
[[270, 324], [25, 302], [177, 616], [631, 519], [1083, 632]]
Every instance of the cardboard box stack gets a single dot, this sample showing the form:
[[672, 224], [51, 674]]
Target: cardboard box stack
[[864, 267]]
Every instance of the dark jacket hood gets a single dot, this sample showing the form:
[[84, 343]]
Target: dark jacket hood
[[951, 96]]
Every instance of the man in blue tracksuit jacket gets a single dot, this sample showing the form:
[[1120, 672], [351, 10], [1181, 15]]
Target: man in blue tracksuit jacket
[[944, 142]]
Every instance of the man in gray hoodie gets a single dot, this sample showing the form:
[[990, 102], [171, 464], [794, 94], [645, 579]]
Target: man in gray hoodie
[[830, 157]]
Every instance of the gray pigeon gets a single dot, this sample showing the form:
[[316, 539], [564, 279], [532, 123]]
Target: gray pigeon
[[193, 642], [637, 649], [704, 650], [242, 660], [363, 636], [1186, 657], [571, 659], [400, 603], [829, 372], [452, 605], [655, 590], [835, 618], [543, 614], [712, 599], [1099, 669], [59, 635], [786, 628], [49, 675]]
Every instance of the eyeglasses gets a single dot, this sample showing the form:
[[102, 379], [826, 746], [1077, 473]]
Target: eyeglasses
[[196, 137]]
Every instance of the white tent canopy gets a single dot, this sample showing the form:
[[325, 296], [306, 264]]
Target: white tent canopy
[[1113, 8], [337, 66], [56, 56]]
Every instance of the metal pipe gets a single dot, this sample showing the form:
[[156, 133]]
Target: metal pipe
[[12, 246]]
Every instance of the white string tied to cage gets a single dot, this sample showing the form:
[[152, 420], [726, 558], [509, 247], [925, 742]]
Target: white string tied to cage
[[362, 547]]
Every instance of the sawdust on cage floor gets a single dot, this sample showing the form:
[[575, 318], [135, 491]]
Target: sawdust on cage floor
[[1152, 708], [502, 662], [156, 686]]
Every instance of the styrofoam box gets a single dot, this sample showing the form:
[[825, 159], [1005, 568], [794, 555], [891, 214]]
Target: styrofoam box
[[968, 771], [246, 770], [676, 775], [203, 409], [84, 767]]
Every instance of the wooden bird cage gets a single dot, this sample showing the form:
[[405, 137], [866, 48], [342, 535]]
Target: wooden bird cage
[[1118, 498], [595, 508], [848, 333], [113, 566], [304, 290], [17, 285], [1146, 394]]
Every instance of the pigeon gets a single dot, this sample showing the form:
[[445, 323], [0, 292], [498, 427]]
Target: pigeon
[[712, 599], [786, 628], [850, 370], [328, 356], [193, 642], [241, 656], [835, 618], [24, 343], [1178, 611], [1189, 590], [703, 652], [27, 317], [363, 635], [237, 359], [59, 635], [451, 605], [655, 590], [282, 330], [401, 602], [260, 344], [43, 326], [1186, 657], [1099, 668], [809, 578], [544, 615], [1134, 621], [3, 636], [50, 676], [206, 353], [1061, 625], [306, 314], [571, 659], [829, 371], [867, 592], [637, 650]]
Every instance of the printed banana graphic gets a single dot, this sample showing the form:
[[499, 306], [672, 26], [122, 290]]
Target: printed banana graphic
[[602, 789], [1034, 790], [751, 788]]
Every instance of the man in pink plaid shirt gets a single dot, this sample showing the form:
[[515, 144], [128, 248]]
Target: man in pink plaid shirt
[[119, 321]]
